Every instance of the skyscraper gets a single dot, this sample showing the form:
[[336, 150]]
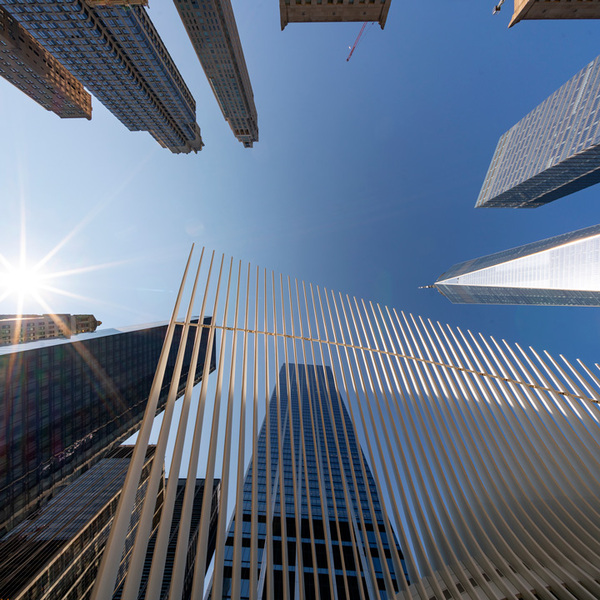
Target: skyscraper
[[15, 329], [55, 553], [563, 270], [334, 517], [172, 544], [557, 9], [479, 457], [213, 32], [116, 52], [25, 63], [315, 11], [65, 404], [553, 151]]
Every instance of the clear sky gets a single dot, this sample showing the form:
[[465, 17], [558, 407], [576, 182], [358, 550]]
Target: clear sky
[[364, 179]]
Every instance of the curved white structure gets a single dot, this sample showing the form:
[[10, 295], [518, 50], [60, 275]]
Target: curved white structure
[[485, 456]]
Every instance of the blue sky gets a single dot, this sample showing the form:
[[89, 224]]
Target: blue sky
[[364, 179]]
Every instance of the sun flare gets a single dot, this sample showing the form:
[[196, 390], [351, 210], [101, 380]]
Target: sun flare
[[22, 281]]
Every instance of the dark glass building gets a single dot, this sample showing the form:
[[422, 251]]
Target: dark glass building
[[214, 35], [116, 52], [65, 404], [192, 544], [559, 271], [55, 553], [306, 390], [553, 151]]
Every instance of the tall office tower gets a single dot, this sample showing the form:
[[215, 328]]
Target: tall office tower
[[36, 72], [557, 9], [336, 519], [563, 270], [479, 457], [116, 52], [172, 544], [213, 32], [316, 11], [553, 151], [65, 404], [54, 554], [15, 329]]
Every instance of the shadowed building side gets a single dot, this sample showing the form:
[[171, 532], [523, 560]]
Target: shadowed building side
[[25, 64], [65, 404], [315, 11], [555, 9]]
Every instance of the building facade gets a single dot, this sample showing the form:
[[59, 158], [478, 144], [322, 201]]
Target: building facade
[[556, 9], [334, 518], [552, 152], [116, 52], [316, 11], [25, 63], [54, 554], [211, 26], [65, 404], [559, 271], [16, 329], [172, 544]]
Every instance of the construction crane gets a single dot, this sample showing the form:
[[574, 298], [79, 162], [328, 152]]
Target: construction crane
[[360, 33]]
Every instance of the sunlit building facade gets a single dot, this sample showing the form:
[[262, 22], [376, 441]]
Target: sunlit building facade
[[25, 63], [559, 271], [556, 9], [55, 553], [16, 329], [65, 404], [315, 11], [213, 32], [116, 52], [552, 152], [334, 518]]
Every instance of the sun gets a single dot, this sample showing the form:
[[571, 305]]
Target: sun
[[22, 281]]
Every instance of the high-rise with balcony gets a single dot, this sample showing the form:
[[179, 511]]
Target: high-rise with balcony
[[116, 52], [213, 32], [563, 270], [64, 404], [25, 63], [553, 151], [317, 11]]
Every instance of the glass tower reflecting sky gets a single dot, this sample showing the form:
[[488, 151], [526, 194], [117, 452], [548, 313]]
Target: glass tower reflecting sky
[[553, 151], [322, 473], [559, 271]]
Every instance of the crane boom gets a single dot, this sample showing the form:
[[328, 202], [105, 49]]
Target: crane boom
[[362, 30]]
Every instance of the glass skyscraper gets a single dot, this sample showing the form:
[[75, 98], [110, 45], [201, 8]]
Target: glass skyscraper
[[559, 271], [553, 151], [55, 553], [329, 518], [65, 404]]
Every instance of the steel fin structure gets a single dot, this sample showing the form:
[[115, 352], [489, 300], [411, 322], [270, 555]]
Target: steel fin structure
[[365, 453]]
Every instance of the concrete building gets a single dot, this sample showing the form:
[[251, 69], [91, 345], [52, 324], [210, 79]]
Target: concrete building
[[16, 329], [64, 404], [25, 63], [555, 9], [559, 271], [116, 52], [553, 151], [55, 553], [211, 26], [315, 11]]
